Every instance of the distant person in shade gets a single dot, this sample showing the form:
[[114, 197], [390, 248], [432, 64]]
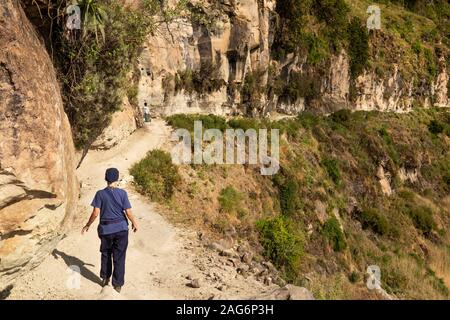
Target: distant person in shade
[[147, 114], [115, 210]]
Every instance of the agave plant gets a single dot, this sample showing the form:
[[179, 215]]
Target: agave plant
[[93, 18]]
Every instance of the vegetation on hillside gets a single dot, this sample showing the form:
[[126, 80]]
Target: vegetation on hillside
[[156, 176], [328, 200]]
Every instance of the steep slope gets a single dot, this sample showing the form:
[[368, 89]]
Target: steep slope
[[353, 190]]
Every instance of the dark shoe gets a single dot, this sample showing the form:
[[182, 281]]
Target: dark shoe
[[105, 282], [118, 289]]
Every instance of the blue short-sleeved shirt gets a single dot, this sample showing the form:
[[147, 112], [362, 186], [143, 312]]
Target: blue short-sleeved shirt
[[112, 203]]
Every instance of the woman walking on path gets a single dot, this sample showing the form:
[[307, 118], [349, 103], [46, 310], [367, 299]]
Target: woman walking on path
[[115, 210]]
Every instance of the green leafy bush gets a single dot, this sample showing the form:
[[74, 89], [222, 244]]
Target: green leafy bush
[[432, 68], [292, 32], [390, 147], [289, 30], [446, 179], [332, 168], [354, 277], [252, 89], [186, 121], [230, 200], [288, 192], [307, 119], [334, 14], [385, 135], [281, 242], [422, 218], [288, 196], [155, 175], [317, 50], [245, 123], [332, 231], [205, 80], [341, 116], [358, 47], [371, 219], [435, 127], [301, 85]]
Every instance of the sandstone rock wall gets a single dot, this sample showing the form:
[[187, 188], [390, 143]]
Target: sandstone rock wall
[[123, 123], [38, 187]]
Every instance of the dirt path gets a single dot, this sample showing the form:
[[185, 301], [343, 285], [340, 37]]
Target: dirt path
[[160, 258]]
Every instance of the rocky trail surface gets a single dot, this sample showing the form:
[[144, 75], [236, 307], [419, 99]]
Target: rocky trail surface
[[163, 261]]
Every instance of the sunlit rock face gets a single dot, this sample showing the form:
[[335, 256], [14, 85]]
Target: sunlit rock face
[[237, 42], [38, 187]]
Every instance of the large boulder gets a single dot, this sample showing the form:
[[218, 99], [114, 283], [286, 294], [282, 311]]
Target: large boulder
[[38, 186]]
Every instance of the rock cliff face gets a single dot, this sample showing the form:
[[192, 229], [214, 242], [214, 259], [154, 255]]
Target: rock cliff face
[[38, 187], [123, 123], [234, 41]]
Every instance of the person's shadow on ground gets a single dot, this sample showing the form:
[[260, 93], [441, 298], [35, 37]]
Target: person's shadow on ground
[[74, 261]]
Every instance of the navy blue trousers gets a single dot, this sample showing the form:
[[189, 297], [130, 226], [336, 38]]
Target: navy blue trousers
[[114, 248]]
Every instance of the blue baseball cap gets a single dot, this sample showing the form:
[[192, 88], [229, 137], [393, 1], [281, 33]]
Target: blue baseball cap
[[112, 175]]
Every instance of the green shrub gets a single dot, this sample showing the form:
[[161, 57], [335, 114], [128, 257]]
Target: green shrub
[[422, 218], [230, 200], [211, 121], [282, 244], [407, 195], [435, 127], [354, 277], [205, 80], [370, 218], [245, 123], [181, 121], [390, 148], [431, 63], [307, 119], [186, 121], [289, 193], [385, 135], [358, 47], [334, 14], [155, 175], [288, 196], [332, 231], [416, 47], [289, 30], [317, 51], [341, 116], [446, 179], [301, 85], [288, 126], [332, 168], [438, 283], [252, 89]]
